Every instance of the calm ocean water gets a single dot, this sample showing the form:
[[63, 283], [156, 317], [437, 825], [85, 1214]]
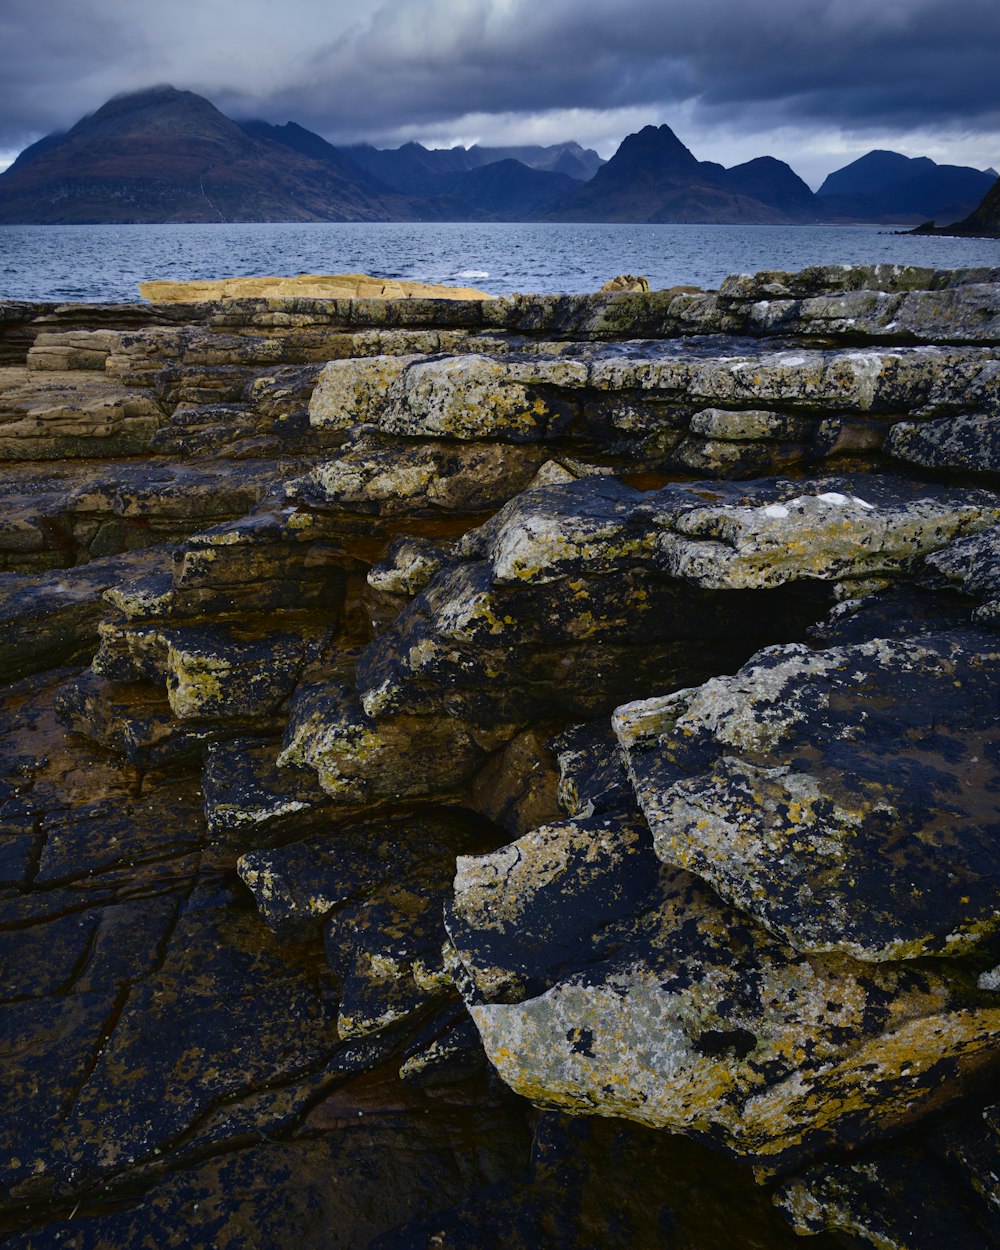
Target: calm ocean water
[[107, 262]]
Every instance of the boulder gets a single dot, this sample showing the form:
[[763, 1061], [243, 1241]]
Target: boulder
[[602, 985]]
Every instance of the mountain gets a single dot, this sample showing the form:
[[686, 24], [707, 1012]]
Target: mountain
[[314, 146], [982, 222], [890, 187], [508, 190], [482, 184], [411, 169], [558, 158], [167, 155], [432, 204], [653, 177], [164, 155]]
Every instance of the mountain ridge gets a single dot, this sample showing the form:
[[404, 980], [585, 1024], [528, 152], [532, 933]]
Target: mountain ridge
[[653, 177], [892, 187], [165, 155]]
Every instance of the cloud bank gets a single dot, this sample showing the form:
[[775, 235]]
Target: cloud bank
[[818, 76]]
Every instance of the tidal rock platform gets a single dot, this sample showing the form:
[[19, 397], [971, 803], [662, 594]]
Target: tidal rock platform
[[503, 772]]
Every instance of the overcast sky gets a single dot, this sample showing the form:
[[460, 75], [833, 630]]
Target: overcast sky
[[814, 82]]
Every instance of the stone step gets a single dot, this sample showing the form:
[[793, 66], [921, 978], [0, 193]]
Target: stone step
[[66, 515], [62, 351], [60, 416]]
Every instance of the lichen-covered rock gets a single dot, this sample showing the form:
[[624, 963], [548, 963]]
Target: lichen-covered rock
[[461, 397], [212, 675], [668, 1007], [360, 760], [424, 480], [973, 564], [836, 796], [540, 904], [970, 441]]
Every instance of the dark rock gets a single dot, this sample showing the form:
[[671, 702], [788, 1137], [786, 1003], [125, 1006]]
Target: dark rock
[[832, 794]]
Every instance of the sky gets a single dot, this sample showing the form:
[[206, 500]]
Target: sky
[[816, 83]]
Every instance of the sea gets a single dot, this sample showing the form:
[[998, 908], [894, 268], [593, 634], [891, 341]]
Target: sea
[[106, 263]]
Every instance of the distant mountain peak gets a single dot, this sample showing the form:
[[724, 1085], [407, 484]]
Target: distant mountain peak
[[655, 143]]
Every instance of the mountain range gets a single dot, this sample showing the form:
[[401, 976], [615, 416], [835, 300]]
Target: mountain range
[[164, 155]]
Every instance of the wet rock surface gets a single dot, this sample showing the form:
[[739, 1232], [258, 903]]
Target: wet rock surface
[[503, 772]]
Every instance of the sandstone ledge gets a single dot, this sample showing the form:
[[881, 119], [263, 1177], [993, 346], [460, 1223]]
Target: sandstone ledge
[[304, 286]]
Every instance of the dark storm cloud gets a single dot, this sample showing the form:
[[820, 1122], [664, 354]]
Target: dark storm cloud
[[898, 62], [357, 70]]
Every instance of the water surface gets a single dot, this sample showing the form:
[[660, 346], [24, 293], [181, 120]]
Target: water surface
[[108, 262]]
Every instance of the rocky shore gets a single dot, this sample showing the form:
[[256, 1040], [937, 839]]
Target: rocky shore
[[503, 772]]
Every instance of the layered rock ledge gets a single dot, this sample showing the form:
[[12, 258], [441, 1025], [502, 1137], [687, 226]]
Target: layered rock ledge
[[503, 772]]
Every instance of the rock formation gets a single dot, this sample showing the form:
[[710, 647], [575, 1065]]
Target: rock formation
[[482, 767]]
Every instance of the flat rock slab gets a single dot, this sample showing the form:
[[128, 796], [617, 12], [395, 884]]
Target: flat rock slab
[[761, 534], [610, 394], [844, 798], [304, 286]]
